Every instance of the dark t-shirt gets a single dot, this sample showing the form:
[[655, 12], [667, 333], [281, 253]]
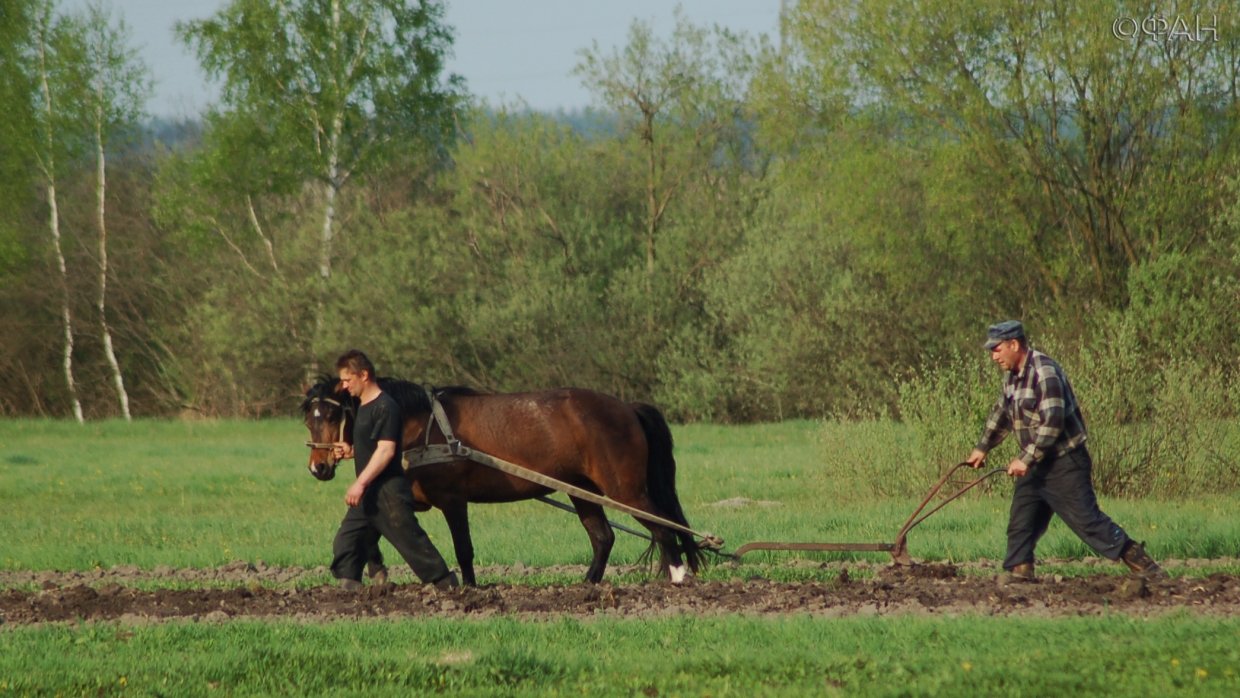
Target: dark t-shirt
[[377, 420]]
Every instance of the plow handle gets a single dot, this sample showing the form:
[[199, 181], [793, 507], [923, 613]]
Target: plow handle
[[899, 552]]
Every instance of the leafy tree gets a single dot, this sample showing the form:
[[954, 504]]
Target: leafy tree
[[73, 86], [17, 21], [683, 143], [541, 237], [112, 104], [680, 98], [1085, 137], [17, 245], [334, 87], [55, 53]]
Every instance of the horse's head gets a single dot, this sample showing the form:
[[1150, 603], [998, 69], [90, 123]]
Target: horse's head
[[327, 411]]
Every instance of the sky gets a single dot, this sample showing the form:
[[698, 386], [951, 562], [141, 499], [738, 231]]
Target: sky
[[508, 51]]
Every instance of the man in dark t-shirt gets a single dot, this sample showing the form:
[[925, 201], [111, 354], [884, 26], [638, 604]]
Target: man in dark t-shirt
[[379, 499]]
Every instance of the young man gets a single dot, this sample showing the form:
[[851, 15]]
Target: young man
[[380, 501], [1053, 469]]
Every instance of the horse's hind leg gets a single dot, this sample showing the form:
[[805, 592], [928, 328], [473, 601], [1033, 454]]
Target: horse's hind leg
[[669, 552], [602, 537], [670, 559], [457, 516]]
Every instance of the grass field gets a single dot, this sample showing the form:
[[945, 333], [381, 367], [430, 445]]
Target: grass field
[[683, 656], [201, 494]]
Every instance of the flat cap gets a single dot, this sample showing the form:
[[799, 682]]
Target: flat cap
[[1003, 331]]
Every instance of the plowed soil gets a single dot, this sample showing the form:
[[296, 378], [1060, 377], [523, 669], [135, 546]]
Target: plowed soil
[[244, 590]]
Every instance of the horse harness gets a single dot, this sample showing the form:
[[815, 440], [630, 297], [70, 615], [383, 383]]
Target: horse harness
[[344, 420], [430, 454], [453, 450]]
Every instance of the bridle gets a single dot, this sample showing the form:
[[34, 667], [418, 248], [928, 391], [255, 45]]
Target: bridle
[[344, 420]]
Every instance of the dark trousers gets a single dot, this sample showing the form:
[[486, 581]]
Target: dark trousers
[[386, 509], [1060, 486]]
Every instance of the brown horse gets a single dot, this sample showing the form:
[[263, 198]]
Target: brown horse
[[577, 436]]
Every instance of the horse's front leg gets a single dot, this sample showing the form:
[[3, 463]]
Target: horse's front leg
[[457, 516]]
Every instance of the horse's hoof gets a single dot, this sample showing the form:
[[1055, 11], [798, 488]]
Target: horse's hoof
[[678, 573]]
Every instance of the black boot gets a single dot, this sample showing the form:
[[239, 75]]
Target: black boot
[[448, 582], [1141, 563], [378, 573], [1018, 574]]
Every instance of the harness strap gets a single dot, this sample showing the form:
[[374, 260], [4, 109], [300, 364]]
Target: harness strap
[[430, 455], [438, 416]]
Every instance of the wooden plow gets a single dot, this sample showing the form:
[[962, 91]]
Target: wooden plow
[[898, 548]]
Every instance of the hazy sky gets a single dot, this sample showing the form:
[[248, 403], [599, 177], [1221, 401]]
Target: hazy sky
[[505, 49]]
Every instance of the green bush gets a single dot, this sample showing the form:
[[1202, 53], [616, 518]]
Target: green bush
[[1154, 424], [945, 406], [1155, 427], [875, 457]]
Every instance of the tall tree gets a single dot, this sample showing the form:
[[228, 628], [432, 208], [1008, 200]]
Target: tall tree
[[338, 85], [113, 103], [1092, 137], [17, 21], [17, 87], [55, 54], [679, 97]]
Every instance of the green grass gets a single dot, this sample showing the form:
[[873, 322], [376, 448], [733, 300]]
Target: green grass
[[1111, 655], [207, 493], [201, 494]]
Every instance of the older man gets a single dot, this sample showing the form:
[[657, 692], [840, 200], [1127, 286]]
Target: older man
[[1053, 468]]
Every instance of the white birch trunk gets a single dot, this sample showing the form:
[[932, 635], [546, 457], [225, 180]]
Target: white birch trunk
[[118, 379], [329, 223], [65, 314], [49, 172], [329, 194], [325, 254]]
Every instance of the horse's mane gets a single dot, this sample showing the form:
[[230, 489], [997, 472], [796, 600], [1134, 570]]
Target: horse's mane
[[324, 387], [413, 397], [409, 395]]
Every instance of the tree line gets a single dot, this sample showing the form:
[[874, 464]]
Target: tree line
[[741, 228]]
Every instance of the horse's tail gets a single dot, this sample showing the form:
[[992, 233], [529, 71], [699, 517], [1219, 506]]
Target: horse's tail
[[661, 477]]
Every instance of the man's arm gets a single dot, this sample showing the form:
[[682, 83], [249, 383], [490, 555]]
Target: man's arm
[[384, 452]]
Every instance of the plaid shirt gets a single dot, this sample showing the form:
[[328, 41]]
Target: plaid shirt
[[1038, 404]]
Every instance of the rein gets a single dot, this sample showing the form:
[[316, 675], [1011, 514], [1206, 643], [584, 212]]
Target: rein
[[344, 419]]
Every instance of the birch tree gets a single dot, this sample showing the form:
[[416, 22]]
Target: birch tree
[[52, 56], [117, 88], [338, 84]]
